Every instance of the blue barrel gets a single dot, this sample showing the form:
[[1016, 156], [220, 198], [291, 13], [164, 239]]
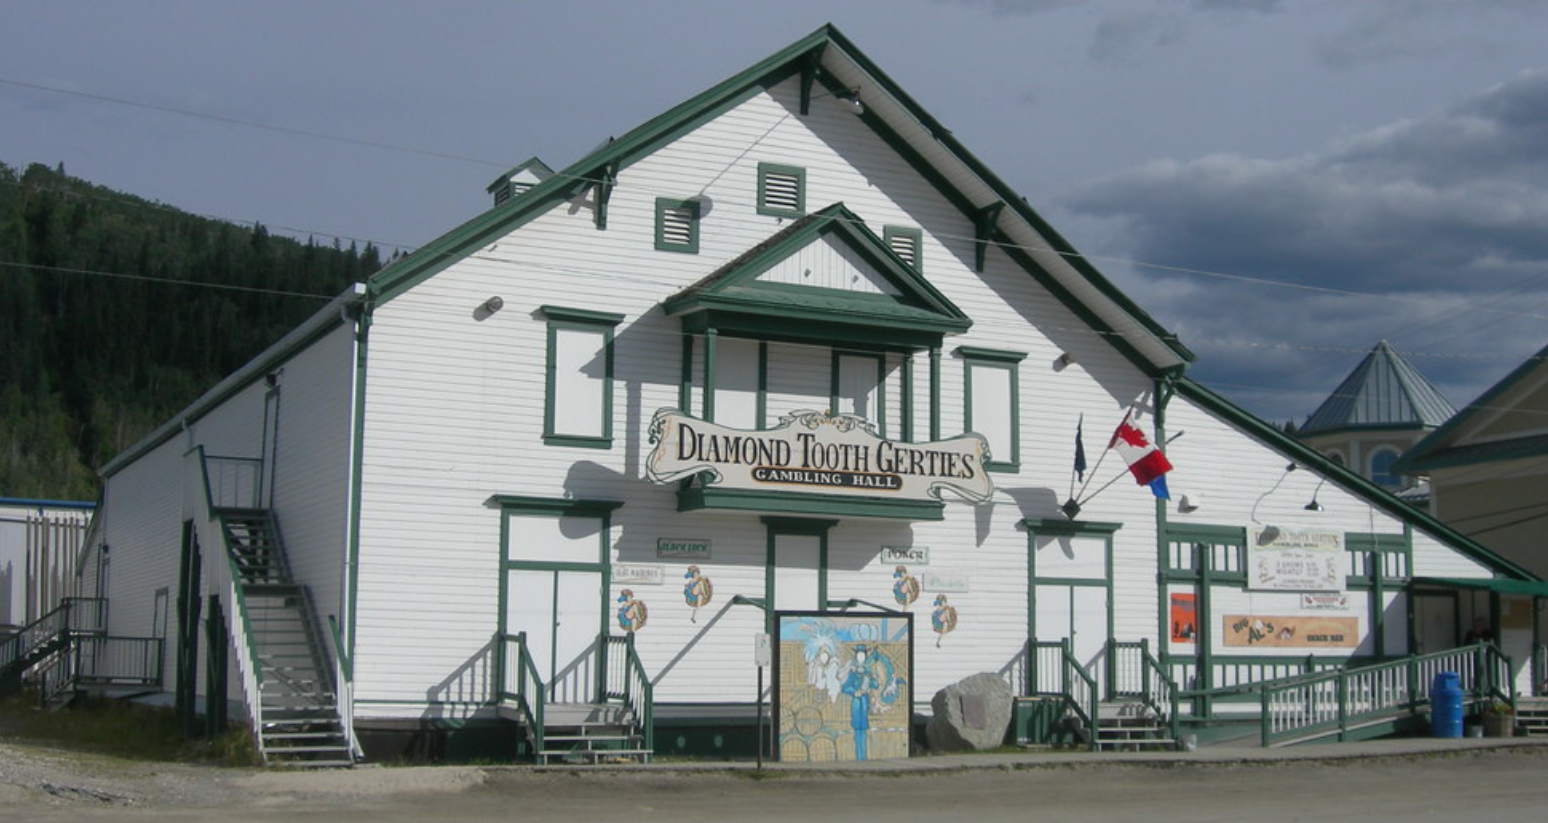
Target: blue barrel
[[1446, 705]]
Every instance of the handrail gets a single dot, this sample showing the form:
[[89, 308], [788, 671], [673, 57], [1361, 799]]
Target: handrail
[[744, 600], [855, 601], [1155, 688], [1076, 686], [238, 622], [633, 687], [344, 686], [1335, 702], [528, 693]]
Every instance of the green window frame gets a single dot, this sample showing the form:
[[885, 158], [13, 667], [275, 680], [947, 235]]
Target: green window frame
[[983, 361], [781, 190], [907, 243], [677, 225], [836, 388], [560, 321]]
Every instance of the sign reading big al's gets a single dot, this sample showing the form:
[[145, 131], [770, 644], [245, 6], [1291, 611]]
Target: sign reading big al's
[[810, 451]]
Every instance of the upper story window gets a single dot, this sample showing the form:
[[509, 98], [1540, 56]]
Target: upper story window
[[578, 410], [781, 190], [905, 243], [859, 381], [1381, 468], [677, 225], [991, 395]]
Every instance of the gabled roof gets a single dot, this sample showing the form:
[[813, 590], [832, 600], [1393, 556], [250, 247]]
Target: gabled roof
[[905, 311], [534, 170], [1384, 391], [1355, 484], [827, 60], [1471, 436]]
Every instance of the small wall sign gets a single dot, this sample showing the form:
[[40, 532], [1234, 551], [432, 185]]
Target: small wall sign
[[679, 547], [906, 555], [946, 581], [638, 575]]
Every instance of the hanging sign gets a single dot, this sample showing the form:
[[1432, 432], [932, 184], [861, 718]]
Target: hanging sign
[[815, 452], [1279, 560]]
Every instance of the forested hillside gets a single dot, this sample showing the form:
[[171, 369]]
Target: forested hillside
[[115, 312]]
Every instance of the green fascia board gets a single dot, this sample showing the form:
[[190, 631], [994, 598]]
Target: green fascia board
[[1498, 585], [837, 221], [1433, 445], [317, 326], [1043, 527], [557, 507], [583, 316], [701, 498], [793, 326], [1023, 209], [1519, 448], [1374, 494]]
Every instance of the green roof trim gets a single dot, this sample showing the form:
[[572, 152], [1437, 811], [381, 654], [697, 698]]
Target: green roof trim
[[733, 299], [1354, 483], [1435, 450], [803, 58]]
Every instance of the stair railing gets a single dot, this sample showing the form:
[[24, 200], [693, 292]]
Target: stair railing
[[211, 531], [1056, 672], [521, 684], [1134, 673], [34, 636], [1335, 702], [344, 691], [626, 681]]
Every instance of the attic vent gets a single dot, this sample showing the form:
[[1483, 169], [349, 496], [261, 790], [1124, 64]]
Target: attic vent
[[677, 225], [781, 190], [905, 243]]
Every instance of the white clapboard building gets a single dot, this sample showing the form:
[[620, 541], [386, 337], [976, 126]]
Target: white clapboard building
[[786, 348]]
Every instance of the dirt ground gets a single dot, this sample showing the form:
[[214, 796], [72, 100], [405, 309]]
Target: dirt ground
[[38, 784]]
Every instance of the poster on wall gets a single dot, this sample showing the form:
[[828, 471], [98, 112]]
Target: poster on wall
[[843, 688], [1184, 618], [1284, 632], [1279, 560]]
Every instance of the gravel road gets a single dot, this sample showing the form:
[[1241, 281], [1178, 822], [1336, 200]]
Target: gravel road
[[40, 784]]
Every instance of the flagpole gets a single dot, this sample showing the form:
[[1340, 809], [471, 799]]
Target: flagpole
[[1098, 465], [1080, 453]]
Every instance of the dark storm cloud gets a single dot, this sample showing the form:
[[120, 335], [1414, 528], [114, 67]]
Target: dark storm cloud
[[1441, 217]]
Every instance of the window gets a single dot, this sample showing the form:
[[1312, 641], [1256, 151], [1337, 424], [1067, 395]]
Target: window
[[1381, 469], [579, 381], [992, 396], [781, 190], [858, 381], [905, 243], [677, 225]]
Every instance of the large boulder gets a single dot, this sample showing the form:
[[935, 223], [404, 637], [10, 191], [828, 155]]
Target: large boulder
[[971, 715]]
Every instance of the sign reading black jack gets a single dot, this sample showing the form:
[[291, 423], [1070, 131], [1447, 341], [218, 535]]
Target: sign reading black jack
[[814, 451]]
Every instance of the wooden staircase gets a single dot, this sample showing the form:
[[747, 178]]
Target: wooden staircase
[[591, 733], [1130, 725], [1532, 716], [299, 723]]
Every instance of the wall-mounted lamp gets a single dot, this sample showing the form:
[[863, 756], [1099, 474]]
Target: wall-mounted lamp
[[1314, 506], [1064, 361], [488, 308], [851, 98], [1189, 503]]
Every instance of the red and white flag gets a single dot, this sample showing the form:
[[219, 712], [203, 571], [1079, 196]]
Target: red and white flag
[[1146, 462]]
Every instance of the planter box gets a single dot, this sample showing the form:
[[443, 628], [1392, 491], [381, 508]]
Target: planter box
[[1499, 725]]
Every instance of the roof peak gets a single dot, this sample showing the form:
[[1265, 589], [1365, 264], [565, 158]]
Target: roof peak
[[1384, 389]]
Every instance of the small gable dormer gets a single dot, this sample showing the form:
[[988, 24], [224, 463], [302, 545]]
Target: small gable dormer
[[516, 181]]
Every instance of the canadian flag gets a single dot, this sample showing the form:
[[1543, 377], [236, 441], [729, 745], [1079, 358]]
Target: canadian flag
[[1146, 462]]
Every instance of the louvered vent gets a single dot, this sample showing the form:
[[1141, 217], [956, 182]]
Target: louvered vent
[[905, 247], [781, 190], [677, 227]]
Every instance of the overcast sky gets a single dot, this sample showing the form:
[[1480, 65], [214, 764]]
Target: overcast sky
[[1281, 182]]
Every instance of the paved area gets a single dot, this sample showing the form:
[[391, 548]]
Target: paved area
[[1373, 782]]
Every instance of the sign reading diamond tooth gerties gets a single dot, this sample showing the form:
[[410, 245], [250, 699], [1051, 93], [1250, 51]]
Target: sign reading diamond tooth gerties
[[811, 451]]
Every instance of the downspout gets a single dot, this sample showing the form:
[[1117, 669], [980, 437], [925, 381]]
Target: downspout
[[351, 577]]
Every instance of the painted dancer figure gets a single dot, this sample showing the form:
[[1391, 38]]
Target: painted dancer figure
[[697, 591], [632, 614], [943, 619], [905, 587]]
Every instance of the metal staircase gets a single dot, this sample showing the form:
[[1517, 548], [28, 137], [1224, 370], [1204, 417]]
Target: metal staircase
[[1532, 716], [1130, 725], [43, 642], [591, 733], [617, 728], [298, 717]]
